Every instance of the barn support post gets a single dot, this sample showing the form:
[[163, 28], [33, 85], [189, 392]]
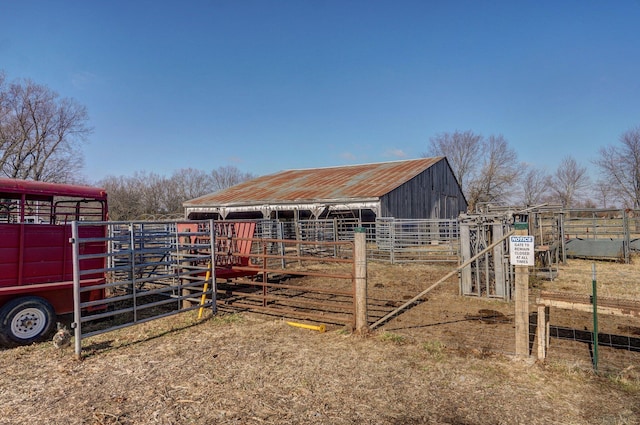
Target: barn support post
[[296, 226], [522, 299], [360, 272], [335, 237]]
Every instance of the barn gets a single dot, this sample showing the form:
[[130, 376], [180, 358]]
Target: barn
[[424, 188]]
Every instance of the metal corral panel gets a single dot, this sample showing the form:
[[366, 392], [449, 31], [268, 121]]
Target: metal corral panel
[[333, 183], [612, 249]]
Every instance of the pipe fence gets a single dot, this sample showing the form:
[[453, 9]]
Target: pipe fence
[[388, 239], [296, 280], [150, 270]]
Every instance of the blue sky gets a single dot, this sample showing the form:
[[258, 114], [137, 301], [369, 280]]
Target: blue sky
[[273, 85]]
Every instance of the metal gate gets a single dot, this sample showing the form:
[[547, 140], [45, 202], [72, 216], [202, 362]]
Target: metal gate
[[150, 270], [157, 269], [488, 275], [299, 280]]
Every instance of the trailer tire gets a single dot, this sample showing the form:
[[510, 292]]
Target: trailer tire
[[25, 320]]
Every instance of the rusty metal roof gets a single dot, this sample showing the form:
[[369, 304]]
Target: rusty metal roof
[[350, 182]]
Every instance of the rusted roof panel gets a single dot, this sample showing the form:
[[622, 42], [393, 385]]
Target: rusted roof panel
[[333, 183]]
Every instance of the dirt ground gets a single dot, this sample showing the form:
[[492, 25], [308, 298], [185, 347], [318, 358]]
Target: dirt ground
[[439, 363]]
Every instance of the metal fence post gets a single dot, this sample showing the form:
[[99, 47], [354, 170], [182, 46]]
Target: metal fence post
[[627, 237], [77, 319], [392, 238], [594, 301], [212, 266]]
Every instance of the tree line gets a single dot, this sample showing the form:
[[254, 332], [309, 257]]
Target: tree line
[[42, 134], [152, 196], [488, 171]]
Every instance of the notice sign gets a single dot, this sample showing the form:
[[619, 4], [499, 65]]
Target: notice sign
[[521, 250]]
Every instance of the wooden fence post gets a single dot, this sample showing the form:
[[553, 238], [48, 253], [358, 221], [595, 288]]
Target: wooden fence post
[[522, 299], [360, 272], [542, 331]]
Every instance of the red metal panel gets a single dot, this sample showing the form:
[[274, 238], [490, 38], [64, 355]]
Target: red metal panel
[[9, 254], [51, 189], [229, 241], [244, 231], [43, 254], [46, 253], [46, 262]]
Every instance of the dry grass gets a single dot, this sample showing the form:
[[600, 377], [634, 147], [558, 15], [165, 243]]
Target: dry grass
[[253, 369], [613, 279], [246, 369]]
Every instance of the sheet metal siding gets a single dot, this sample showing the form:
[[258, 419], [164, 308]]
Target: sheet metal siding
[[320, 184], [434, 193]]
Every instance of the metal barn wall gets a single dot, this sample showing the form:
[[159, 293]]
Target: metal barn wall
[[434, 193]]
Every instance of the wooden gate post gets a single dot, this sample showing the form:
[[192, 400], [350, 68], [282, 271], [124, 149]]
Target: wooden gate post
[[360, 272], [522, 299]]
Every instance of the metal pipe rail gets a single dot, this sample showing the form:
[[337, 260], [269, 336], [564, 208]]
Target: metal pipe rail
[[149, 272], [327, 296]]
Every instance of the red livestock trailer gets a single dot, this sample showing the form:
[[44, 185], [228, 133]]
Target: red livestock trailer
[[36, 269]]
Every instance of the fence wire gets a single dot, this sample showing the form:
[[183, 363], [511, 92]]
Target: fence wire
[[485, 327], [443, 317], [571, 325]]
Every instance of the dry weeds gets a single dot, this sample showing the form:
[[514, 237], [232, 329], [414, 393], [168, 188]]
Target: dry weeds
[[253, 369], [246, 369], [613, 279]]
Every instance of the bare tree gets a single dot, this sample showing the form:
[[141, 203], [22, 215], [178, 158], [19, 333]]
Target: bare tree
[[153, 193], [185, 184], [496, 180], [603, 193], [125, 197], [569, 182], [486, 168], [534, 183], [620, 168], [138, 197], [149, 195], [463, 151], [40, 133], [227, 176]]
